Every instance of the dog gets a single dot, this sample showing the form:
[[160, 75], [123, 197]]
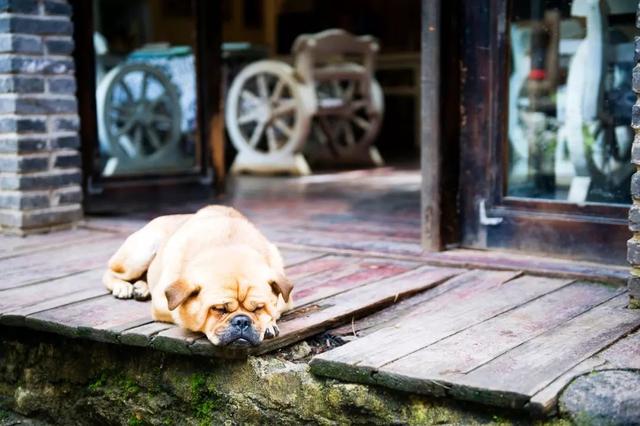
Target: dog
[[211, 272]]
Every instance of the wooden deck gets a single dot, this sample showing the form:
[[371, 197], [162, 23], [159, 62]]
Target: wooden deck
[[496, 328]]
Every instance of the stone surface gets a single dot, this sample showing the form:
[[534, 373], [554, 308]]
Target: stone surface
[[603, 398], [85, 383]]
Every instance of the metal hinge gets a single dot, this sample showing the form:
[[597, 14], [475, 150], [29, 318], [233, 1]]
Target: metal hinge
[[484, 219]]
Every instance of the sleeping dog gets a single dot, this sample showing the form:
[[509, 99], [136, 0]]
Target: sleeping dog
[[211, 271]]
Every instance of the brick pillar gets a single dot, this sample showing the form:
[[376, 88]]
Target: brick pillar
[[633, 245], [39, 159]]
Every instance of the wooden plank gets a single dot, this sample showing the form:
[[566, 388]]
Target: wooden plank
[[100, 318], [56, 263], [175, 339], [12, 246], [624, 354], [439, 318], [394, 313], [20, 302], [293, 257], [143, 334], [513, 378], [463, 352], [315, 266], [354, 303], [336, 281]]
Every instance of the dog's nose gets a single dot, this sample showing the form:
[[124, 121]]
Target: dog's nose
[[242, 322]]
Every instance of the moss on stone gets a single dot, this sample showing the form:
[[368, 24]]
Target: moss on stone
[[134, 386]]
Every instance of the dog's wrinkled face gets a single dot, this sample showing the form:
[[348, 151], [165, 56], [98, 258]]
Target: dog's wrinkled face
[[231, 304]]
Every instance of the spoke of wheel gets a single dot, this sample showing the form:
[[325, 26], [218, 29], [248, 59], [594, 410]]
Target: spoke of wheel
[[123, 108], [348, 132], [249, 97], [262, 87], [348, 93], [356, 105], [127, 90], [257, 132], [284, 107], [143, 90], [282, 126], [137, 139], [161, 118], [361, 122], [328, 131], [271, 139], [337, 88], [248, 117], [153, 137], [127, 126], [320, 134], [277, 90]]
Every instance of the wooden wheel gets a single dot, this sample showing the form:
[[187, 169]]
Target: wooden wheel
[[356, 121], [268, 112], [138, 111]]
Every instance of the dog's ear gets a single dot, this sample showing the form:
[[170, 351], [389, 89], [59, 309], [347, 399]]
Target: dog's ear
[[178, 292], [281, 285]]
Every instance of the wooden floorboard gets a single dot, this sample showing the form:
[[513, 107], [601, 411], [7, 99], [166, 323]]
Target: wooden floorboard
[[13, 246]]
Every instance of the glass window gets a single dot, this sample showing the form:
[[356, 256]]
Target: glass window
[[145, 87], [570, 100]]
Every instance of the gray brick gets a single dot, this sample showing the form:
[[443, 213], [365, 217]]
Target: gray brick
[[635, 116], [62, 85], [635, 81], [22, 145], [20, 43], [39, 180], [23, 164], [69, 141], [59, 46], [633, 284], [35, 25], [10, 219], [39, 105], [635, 185], [57, 8], [34, 65], [22, 125], [49, 217], [24, 200], [21, 84], [633, 252], [636, 53], [19, 6], [67, 159], [72, 195], [65, 124], [634, 218]]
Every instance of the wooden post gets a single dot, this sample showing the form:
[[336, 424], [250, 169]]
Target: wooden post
[[633, 245], [209, 71], [431, 161]]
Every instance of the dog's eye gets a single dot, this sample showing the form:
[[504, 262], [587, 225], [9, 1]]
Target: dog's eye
[[219, 309]]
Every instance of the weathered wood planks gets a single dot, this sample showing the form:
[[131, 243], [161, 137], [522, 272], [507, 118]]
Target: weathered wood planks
[[515, 357]]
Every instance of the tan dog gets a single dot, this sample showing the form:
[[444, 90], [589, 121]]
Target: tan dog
[[212, 272]]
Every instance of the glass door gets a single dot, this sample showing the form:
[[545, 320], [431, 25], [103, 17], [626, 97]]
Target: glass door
[[546, 158]]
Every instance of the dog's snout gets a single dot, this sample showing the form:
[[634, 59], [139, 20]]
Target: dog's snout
[[242, 322]]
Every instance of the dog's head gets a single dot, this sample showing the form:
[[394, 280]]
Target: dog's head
[[233, 301]]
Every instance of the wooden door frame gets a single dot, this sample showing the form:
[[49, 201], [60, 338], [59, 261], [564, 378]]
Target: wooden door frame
[[208, 40], [592, 232], [439, 123]]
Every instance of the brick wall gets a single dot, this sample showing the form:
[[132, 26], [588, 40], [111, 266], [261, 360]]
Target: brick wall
[[39, 159], [633, 245]]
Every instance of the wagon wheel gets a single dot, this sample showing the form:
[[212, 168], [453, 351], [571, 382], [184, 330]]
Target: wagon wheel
[[141, 111], [268, 112], [356, 126]]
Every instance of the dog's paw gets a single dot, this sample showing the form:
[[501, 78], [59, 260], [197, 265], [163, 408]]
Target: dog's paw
[[122, 290], [271, 331], [141, 290]]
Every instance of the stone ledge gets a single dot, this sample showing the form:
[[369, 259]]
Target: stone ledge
[[80, 382]]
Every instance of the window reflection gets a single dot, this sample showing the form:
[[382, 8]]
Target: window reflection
[[145, 87], [570, 100]]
